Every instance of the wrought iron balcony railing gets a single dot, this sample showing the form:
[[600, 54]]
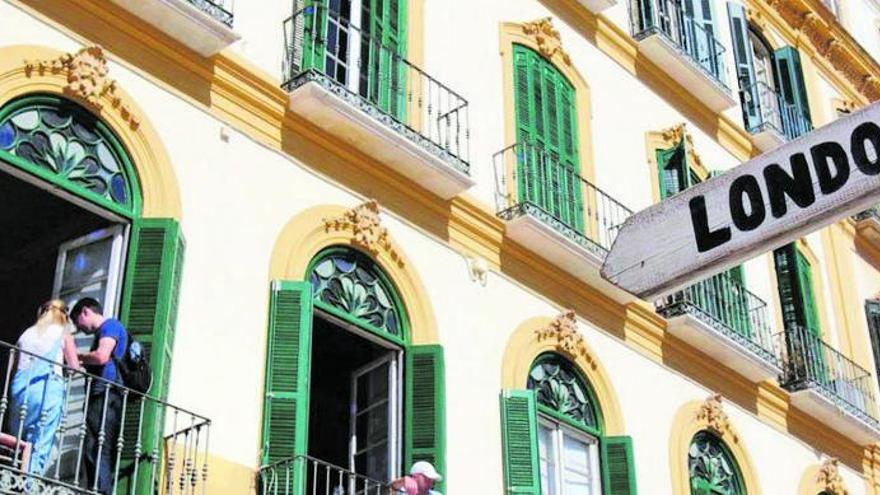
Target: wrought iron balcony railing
[[669, 19], [730, 309], [810, 363], [302, 475], [531, 180], [369, 71], [220, 10], [49, 434], [772, 112]]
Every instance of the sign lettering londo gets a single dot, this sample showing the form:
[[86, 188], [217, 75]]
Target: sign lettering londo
[[760, 205]]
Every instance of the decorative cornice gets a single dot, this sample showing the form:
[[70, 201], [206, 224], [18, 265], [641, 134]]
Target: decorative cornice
[[564, 330], [87, 80], [833, 44], [828, 477], [547, 38], [715, 418], [367, 231]]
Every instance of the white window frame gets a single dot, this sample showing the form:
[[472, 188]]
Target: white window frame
[[119, 233], [559, 431]]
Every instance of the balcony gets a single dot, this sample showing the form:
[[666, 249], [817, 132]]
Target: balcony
[[727, 322], [362, 91], [159, 444], [690, 54], [769, 118], [553, 211], [204, 26], [823, 382], [307, 475]]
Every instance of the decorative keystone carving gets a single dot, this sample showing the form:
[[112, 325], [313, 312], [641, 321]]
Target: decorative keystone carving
[[675, 134], [478, 270], [547, 38], [87, 80], [563, 329], [366, 227], [829, 478], [712, 413]]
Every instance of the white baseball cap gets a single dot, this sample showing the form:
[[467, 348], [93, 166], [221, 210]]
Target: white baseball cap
[[427, 469]]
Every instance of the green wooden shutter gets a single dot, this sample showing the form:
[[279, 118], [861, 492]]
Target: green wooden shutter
[[149, 313], [790, 84], [672, 170], [805, 279], [313, 17], [745, 65], [618, 466], [699, 32], [425, 435], [519, 434], [788, 285], [872, 313], [288, 368]]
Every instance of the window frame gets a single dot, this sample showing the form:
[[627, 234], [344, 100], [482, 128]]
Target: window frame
[[559, 430]]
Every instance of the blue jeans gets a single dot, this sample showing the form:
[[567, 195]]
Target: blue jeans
[[41, 393]]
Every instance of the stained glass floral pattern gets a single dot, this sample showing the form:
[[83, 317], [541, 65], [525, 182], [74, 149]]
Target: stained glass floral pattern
[[352, 283], [67, 141], [560, 388], [712, 469]]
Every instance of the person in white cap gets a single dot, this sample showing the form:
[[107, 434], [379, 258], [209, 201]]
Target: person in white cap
[[421, 479]]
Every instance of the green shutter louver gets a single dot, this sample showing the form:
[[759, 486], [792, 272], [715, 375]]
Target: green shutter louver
[[745, 65], [673, 170], [788, 286], [618, 466], [425, 435], [872, 314], [288, 365], [546, 122], [790, 82], [519, 432], [149, 313]]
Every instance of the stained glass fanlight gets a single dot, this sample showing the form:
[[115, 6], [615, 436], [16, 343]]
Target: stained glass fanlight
[[562, 389], [352, 283], [61, 138], [712, 468]]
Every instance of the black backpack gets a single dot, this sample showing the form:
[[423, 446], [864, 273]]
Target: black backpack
[[134, 367]]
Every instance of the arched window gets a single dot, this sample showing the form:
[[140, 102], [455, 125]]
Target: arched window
[[347, 392], [348, 282], [553, 432], [712, 468], [61, 142], [568, 428]]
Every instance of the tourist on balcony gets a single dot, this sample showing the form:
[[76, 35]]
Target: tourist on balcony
[[38, 385], [420, 481], [103, 419]]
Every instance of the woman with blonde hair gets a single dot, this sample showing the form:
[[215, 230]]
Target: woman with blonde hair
[[38, 386]]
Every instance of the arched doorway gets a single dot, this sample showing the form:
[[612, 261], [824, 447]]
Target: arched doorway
[[73, 227], [349, 398]]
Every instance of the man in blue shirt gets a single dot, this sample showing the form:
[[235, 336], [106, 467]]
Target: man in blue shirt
[[105, 396]]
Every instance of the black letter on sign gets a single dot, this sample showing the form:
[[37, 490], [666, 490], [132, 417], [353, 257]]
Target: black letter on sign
[[747, 184], [866, 132], [828, 182], [797, 186], [706, 239]]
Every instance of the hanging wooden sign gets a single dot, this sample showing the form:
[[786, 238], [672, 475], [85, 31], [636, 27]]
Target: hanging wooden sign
[[764, 203]]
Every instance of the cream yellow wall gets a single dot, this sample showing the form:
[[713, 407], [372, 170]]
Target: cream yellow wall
[[237, 195]]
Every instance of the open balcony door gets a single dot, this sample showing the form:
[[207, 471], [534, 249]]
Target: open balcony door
[[88, 266], [374, 449]]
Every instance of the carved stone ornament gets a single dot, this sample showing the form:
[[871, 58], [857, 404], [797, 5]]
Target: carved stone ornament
[[87, 80], [563, 329], [366, 227], [829, 478], [712, 413], [547, 38], [675, 134]]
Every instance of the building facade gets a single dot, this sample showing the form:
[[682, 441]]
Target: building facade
[[355, 234]]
